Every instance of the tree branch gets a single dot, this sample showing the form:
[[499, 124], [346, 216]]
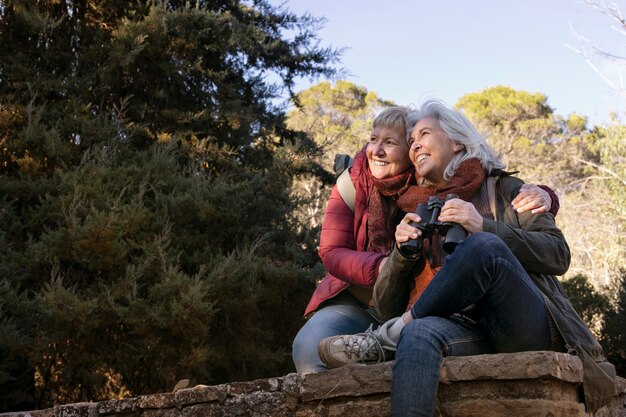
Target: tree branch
[[613, 11], [601, 168]]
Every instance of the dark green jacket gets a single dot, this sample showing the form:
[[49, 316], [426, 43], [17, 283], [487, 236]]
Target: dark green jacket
[[543, 252]]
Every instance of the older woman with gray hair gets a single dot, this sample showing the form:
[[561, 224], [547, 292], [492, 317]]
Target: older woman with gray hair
[[355, 241], [495, 292]]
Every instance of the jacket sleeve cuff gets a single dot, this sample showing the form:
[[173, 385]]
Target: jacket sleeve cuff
[[490, 226], [401, 259]]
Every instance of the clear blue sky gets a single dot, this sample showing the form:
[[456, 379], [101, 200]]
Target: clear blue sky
[[406, 50]]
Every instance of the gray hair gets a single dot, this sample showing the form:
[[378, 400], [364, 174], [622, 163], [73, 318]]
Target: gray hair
[[460, 130], [395, 118]]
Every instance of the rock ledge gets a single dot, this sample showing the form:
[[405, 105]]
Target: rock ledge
[[524, 384]]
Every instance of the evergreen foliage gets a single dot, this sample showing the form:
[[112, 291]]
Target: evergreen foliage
[[519, 124], [610, 161], [614, 330], [588, 302], [147, 232]]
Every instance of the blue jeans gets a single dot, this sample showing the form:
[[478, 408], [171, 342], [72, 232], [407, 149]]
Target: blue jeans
[[482, 271], [343, 314]]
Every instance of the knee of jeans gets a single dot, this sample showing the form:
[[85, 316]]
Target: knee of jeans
[[304, 354], [301, 342], [477, 243]]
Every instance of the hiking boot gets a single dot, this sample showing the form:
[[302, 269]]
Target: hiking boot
[[372, 346]]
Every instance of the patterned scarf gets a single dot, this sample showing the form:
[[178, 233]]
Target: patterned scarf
[[383, 214], [465, 183]]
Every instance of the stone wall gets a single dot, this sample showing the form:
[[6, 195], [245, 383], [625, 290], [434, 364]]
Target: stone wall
[[538, 384]]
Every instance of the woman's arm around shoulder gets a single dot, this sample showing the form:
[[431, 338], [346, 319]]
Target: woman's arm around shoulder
[[534, 239]]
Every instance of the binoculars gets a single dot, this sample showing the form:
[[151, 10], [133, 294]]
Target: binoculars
[[428, 224]]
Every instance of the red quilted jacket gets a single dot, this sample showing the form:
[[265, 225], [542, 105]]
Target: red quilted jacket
[[343, 240]]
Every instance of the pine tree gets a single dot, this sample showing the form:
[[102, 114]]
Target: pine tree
[[147, 232]]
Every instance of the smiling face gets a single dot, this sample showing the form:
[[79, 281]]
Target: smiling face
[[431, 150], [387, 153]]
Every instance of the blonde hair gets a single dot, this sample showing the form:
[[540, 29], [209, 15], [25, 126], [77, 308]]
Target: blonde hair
[[396, 118]]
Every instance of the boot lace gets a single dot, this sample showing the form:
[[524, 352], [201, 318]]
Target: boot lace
[[364, 347]]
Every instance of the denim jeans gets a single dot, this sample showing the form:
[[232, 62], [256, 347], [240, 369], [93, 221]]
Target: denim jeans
[[343, 314], [482, 271]]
